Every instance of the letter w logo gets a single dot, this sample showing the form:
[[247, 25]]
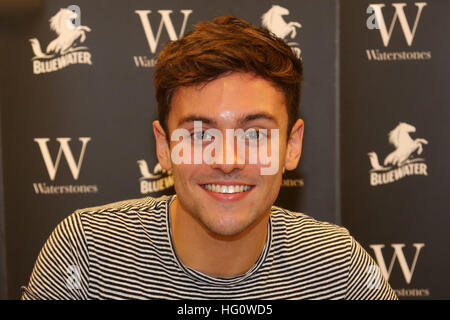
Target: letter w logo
[[398, 253], [400, 15], [64, 148], [166, 21]]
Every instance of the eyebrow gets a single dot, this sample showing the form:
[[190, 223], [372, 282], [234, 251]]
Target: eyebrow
[[242, 120], [257, 116], [192, 118]]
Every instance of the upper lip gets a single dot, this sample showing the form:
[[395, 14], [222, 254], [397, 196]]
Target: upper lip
[[228, 183]]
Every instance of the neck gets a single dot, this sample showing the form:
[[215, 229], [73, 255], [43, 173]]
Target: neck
[[215, 255]]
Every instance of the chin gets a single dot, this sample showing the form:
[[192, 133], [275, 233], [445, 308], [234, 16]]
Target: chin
[[227, 227]]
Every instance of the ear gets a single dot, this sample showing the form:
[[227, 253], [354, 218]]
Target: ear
[[294, 145], [162, 146]]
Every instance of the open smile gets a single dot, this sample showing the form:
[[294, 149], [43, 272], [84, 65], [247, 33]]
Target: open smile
[[227, 192], [220, 188]]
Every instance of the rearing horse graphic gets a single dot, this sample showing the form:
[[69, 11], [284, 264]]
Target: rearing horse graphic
[[400, 138], [274, 22], [405, 147]]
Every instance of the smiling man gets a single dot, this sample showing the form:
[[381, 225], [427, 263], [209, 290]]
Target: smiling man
[[228, 96], [221, 213]]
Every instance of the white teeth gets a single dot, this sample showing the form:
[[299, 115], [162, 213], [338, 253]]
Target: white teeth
[[226, 189]]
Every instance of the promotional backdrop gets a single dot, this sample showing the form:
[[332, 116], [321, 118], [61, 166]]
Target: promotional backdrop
[[395, 121], [76, 120]]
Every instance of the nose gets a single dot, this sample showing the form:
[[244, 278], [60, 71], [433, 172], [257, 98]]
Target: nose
[[231, 158]]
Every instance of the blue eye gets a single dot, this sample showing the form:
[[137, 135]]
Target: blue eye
[[255, 134], [197, 135], [201, 135]]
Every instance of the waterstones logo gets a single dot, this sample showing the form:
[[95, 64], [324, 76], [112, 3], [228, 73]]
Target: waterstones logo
[[292, 183], [155, 181], [406, 268], [62, 51], [377, 55], [376, 21], [53, 165], [153, 40], [401, 162]]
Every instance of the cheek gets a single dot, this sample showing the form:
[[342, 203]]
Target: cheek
[[180, 176], [185, 174], [283, 153], [273, 182]]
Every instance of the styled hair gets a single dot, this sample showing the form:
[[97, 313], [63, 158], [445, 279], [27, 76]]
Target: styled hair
[[227, 44]]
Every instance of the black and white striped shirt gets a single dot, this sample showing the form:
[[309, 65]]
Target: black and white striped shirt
[[124, 250]]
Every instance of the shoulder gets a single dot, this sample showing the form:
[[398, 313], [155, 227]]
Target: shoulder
[[126, 206], [125, 212], [146, 203], [297, 221], [301, 230]]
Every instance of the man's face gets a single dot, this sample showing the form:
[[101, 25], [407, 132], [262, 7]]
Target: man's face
[[233, 101]]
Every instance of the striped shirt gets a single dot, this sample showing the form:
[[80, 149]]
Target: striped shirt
[[125, 250]]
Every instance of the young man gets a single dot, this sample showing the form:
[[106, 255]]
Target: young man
[[220, 236]]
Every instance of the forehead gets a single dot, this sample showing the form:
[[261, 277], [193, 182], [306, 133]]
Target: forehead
[[228, 99]]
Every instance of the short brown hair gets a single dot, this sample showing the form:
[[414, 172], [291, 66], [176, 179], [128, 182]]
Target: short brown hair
[[227, 44]]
